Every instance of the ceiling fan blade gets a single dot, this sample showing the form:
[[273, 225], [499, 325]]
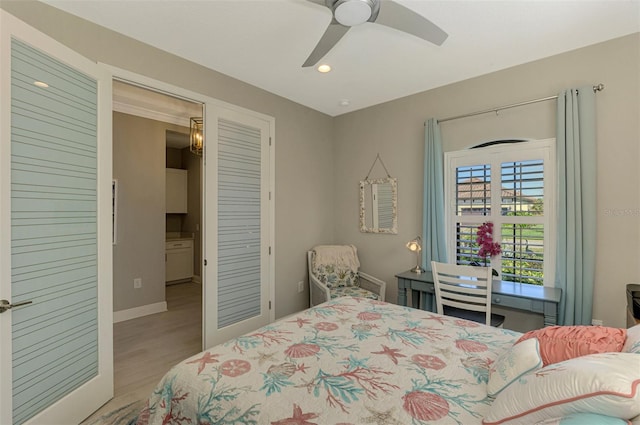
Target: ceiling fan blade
[[331, 36], [396, 16]]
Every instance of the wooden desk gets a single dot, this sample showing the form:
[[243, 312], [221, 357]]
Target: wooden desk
[[521, 296]]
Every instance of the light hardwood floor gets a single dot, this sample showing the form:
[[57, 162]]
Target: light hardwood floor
[[146, 348]]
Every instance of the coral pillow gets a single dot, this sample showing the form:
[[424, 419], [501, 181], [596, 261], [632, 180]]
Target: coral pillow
[[558, 343]]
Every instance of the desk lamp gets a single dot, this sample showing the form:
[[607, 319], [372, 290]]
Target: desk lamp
[[415, 245]]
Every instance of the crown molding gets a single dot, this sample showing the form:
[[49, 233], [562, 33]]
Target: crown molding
[[140, 111], [146, 103]]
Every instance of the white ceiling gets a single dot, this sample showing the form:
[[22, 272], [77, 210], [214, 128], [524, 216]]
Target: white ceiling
[[265, 42]]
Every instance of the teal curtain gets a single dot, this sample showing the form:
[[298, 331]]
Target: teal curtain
[[576, 249], [433, 241]]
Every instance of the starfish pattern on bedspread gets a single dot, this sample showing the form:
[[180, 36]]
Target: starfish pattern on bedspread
[[298, 418], [203, 361], [392, 353]]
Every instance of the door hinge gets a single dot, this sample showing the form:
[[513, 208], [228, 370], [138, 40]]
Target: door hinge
[[269, 250], [269, 195], [205, 262], [269, 305], [269, 140]]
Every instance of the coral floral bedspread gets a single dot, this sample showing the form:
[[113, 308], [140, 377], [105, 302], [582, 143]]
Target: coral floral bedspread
[[347, 361]]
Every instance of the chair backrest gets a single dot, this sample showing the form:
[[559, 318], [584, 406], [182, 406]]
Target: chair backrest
[[337, 264], [464, 287], [343, 256], [310, 262]]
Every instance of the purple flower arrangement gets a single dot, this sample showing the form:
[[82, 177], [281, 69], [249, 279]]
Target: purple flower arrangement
[[488, 248]]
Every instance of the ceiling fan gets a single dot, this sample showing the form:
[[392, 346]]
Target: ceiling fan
[[348, 13]]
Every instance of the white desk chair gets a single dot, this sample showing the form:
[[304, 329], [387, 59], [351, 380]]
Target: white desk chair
[[340, 277], [464, 292]]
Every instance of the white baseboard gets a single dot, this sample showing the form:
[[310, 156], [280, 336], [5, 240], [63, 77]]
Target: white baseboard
[[134, 313]]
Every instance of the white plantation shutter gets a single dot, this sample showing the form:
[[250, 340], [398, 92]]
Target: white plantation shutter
[[510, 185], [522, 231]]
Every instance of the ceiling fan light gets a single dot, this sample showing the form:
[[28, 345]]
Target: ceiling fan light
[[352, 12]]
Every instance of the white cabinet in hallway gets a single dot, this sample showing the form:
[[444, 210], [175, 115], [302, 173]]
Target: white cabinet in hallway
[[176, 191], [179, 260]]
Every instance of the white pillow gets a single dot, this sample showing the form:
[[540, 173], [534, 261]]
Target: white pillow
[[632, 343], [584, 419], [519, 360], [604, 383]]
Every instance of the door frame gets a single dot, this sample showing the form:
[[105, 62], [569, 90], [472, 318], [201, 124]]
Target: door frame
[[209, 106], [100, 387]]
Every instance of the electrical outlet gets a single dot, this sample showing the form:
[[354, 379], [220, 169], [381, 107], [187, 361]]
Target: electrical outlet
[[301, 286], [596, 322], [137, 283]]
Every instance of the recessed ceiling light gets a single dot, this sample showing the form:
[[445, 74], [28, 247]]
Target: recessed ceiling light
[[345, 102], [324, 68], [41, 84]]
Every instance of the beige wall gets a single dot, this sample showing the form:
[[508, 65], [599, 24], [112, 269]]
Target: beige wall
[[174, 157], [395, 130], [139, 166]]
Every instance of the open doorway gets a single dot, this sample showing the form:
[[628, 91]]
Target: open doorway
[[232, 240], [157, 246]]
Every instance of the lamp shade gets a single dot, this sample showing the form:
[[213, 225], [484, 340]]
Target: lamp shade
[[415, 245]]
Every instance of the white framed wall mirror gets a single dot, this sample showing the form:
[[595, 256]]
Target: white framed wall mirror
[[379, 205]]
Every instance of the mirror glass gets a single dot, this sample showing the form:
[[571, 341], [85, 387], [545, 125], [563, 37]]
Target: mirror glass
[[379, 205]]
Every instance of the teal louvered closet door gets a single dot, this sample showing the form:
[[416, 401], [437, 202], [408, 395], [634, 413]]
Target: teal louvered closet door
[[54, 198], [239, 207], [53, 230], [242, 211]]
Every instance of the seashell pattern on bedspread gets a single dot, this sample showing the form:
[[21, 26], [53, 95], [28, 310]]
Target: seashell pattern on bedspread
[[348, 361]]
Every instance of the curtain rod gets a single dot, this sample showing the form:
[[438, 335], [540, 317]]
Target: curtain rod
[[597, 88]]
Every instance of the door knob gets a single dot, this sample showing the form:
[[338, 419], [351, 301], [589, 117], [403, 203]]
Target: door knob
[[6, 305]]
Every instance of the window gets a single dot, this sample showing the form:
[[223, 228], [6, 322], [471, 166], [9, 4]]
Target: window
[[512, 186]]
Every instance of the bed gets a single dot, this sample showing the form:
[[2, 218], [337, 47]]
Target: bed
[[347, 361], [361, 361]]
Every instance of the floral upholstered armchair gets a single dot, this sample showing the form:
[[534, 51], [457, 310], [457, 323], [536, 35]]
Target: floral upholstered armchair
[[334, 272]]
